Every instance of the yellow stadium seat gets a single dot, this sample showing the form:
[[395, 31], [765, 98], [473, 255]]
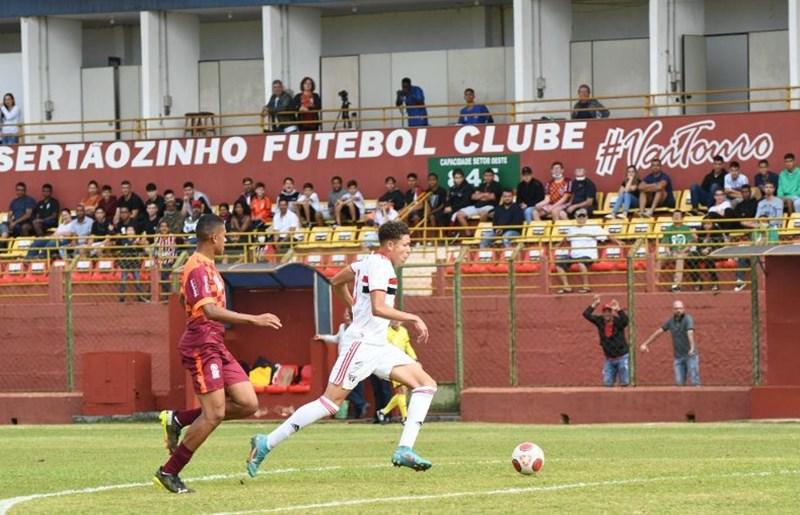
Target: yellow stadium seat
[[639, 228], [599, 201], [345, 236], [792, 227], [368, 236], [537, 231], [616, 228], [318, 237], [19, 248], [483, 230], [608, 203]]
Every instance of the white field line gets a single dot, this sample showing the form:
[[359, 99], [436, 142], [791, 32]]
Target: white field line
[[503, 491], [7, 504]]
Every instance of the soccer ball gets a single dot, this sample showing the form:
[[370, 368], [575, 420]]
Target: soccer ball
[[527, 458]]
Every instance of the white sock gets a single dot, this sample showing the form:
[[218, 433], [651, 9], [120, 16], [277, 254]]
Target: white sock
[[306, 415], [421, 398]]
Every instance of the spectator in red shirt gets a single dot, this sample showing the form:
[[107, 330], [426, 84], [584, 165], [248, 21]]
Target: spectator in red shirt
[[108, 202], [557, 194], [260, 207]]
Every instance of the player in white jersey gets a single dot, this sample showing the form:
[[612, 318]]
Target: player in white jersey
[[365, 351]]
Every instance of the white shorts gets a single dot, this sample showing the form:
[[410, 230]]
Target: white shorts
[[471, 211], [358, 360]]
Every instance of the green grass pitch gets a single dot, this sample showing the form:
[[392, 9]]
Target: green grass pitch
[[345, 468]]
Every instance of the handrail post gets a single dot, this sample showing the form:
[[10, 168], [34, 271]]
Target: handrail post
[[69, 353], [755, 322], [459, 329], [512, 319], [631, 280]]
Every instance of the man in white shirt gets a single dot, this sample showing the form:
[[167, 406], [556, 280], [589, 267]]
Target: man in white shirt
[[285, 222], [582, 239], [734, 182], [385, 213], [365, 350], [308, 206], [81, 226]]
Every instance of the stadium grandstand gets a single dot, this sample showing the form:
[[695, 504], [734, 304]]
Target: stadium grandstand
[[552, 159]]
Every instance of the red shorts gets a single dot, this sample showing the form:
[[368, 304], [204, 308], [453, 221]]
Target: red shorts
[[211, 364]]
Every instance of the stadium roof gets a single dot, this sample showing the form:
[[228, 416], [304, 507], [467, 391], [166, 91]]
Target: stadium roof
[[267, 276], [757, 251]]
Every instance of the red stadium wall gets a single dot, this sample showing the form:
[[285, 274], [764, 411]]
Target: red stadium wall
[[686, 145]]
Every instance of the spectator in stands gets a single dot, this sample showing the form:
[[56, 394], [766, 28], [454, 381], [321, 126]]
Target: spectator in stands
[[20, 212], [677, 238], [611, 328], [224, 212], [132, 201], [472, 113], [789, 184], [586, 106], [190, 222], [656, 190], [309, 207], [722, 206], [335, 194], [714, 180], [530, 192], [240, 222], [507, 221], [459, 197], [278, 114], [152, 196], [628, 194], [770, 206], [745, 211], [165, 250], [413, 98], [763, 176], [129, 250], [385, 212], [108, 202], [709, 238], [261, 207], [12, 117], [582, 239], [413, 194], [172, 214], [557, 194], [81, 228], [102, 230], [437, 200], [285, 222], [350, 206], [190, 194], [307, 103], [735, 181], [584, 193], [392, 194], [45, 216], [247, 193], [92, 199], [485, 200], [288, 193], [151, 219], [40, 248], [684, 347]]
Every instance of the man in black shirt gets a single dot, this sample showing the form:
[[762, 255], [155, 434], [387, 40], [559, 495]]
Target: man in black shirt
[[392, 194], [485, 199], [130, 200], [437, 200], [714, 180], [45, 215], [459, 196], [530, 191], [152, 196], [508, 217], [247, 193], [151, 220], [102, 229], [584, 193], [611, 328], [745, 211]]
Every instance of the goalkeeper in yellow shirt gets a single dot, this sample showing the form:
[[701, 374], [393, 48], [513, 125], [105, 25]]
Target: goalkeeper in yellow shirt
[[397, 336]]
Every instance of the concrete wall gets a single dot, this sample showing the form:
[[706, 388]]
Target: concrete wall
[[609, 20], [11, 76], [727, 16], [10, 42], [231, 40], [123, 41]]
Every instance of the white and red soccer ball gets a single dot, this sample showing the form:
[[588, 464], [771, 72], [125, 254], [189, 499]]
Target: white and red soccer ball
[[527, 458]]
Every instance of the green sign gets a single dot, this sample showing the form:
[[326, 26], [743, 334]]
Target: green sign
[[506, 169]]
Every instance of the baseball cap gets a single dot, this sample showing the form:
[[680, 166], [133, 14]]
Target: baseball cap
[[581, 211], [197, 203]]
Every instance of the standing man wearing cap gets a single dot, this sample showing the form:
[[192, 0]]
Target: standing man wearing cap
[[582, 239], [611, 328], [684, 347]]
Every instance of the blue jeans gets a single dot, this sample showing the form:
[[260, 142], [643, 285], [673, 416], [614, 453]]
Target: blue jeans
[[687, 366], [615, 368], [701, 196], [508, 234], [624, 202], [742, 263], [10, 140], [529, 214], [39, 249]]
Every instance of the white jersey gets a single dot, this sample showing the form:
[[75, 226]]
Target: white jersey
[[374, 272]]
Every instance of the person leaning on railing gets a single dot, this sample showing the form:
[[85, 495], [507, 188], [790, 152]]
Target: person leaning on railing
[[588, 107], [129, 249], [278, 112], [413, 98], [473, 113]]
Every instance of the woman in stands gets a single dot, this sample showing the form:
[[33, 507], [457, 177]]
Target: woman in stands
[[628, 194], [12, 116], [240, 223], [307, 103]]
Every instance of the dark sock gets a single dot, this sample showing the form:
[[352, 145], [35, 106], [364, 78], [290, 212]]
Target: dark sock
[[178, 460], [186, 417]]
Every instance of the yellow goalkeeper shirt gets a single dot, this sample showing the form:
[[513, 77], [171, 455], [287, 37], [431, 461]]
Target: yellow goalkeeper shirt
[[400, 339]]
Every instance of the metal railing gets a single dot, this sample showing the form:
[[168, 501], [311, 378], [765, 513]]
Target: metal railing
[[192, 125]]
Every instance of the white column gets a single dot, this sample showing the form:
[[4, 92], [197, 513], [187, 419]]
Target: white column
[[794, 49], [292, 39], [542, 35], [659, 52], [52, 56], [170, 75]]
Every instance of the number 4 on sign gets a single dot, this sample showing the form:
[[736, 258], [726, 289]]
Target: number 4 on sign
[[474, 177]]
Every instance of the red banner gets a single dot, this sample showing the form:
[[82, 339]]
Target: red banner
[[686, 145]]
